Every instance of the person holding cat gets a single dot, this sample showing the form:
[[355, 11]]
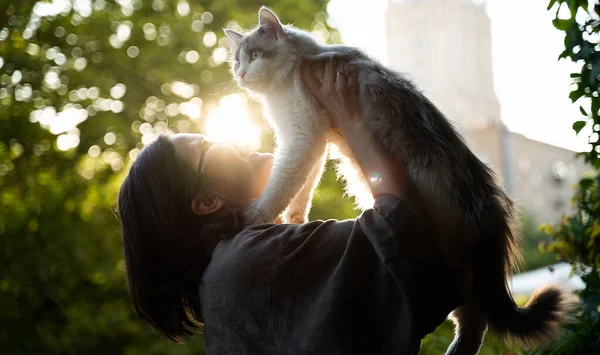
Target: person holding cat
[[372, 285]]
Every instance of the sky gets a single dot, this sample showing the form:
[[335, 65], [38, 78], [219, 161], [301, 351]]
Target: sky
[[531, 85]]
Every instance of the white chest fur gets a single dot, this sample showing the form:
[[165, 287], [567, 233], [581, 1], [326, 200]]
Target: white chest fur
[[291, 112]]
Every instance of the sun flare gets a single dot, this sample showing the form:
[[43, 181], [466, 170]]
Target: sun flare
[[230, 122]]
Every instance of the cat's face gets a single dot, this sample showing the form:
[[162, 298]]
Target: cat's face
[[261, 56]]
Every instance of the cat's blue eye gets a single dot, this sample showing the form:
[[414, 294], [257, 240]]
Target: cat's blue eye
[[254, 55]]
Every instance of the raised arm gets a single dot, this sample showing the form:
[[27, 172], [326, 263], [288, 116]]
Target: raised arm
[[338, 94]]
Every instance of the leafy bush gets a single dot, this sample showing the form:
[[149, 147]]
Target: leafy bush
[[577, 238]]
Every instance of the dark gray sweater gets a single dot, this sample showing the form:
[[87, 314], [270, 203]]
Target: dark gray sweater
[[374, 285]]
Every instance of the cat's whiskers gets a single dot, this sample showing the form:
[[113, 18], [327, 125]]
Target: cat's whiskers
[[228, 87]]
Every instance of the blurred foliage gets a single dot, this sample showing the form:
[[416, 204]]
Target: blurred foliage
[[437, 342], [82, 85], [577, 238], [533, 241]]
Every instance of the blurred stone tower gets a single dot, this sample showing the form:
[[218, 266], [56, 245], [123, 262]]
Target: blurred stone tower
[[445, 47]]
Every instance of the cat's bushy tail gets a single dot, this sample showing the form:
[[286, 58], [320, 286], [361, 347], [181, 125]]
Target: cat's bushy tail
[[548, 308], [538, 321]]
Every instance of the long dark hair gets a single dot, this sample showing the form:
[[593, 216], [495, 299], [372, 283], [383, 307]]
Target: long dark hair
[[167, 246]]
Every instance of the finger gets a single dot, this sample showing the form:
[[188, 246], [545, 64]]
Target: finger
[[340, 66], [278, 220], [353, 77], [308, 77], [339, 70], [340, 80], [329, 74]]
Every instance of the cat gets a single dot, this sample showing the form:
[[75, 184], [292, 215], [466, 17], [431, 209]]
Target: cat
[[474, 219]]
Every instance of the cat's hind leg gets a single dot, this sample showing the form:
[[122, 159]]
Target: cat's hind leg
[[470, 322], [297, 211]]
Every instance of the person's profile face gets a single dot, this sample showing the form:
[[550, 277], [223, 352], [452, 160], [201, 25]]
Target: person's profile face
[[235, 171]]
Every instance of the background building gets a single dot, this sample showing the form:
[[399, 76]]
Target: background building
[[445, 47]]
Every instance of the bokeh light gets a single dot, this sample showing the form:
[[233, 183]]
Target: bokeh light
[[210, 39], [118, 91], [197, 25], [150, 32], [192, 108], [183, 8], [123, 32], [207, 17], [68, 141], [219, 55], [192, 56], [133, 51], [182, 89]]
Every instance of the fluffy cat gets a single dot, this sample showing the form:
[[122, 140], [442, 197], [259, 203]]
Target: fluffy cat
[[474, 218]]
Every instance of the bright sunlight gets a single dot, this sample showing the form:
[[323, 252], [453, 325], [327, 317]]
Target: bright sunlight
[[230, 122]]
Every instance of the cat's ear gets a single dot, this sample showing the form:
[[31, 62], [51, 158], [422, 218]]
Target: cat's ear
[[234, 36], [269, 23]]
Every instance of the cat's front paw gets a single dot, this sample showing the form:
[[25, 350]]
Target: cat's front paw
[[294, 216], [255, 214], [255, 217]]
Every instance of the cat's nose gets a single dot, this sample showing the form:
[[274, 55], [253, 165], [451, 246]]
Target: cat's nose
[[242, 74]]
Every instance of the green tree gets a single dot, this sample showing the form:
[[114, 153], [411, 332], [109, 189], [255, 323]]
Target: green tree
[[83, 84], [576, 239]]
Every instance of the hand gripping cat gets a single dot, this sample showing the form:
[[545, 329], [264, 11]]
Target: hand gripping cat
[[474, 218]]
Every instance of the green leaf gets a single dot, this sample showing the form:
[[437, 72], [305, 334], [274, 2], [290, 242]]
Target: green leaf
[[576, 94], [552, 2], [582, 110], [578, 126], [585, 183], [595, 110], [562, 25]]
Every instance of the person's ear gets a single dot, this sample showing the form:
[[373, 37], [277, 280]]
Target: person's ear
[[207, 205]]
